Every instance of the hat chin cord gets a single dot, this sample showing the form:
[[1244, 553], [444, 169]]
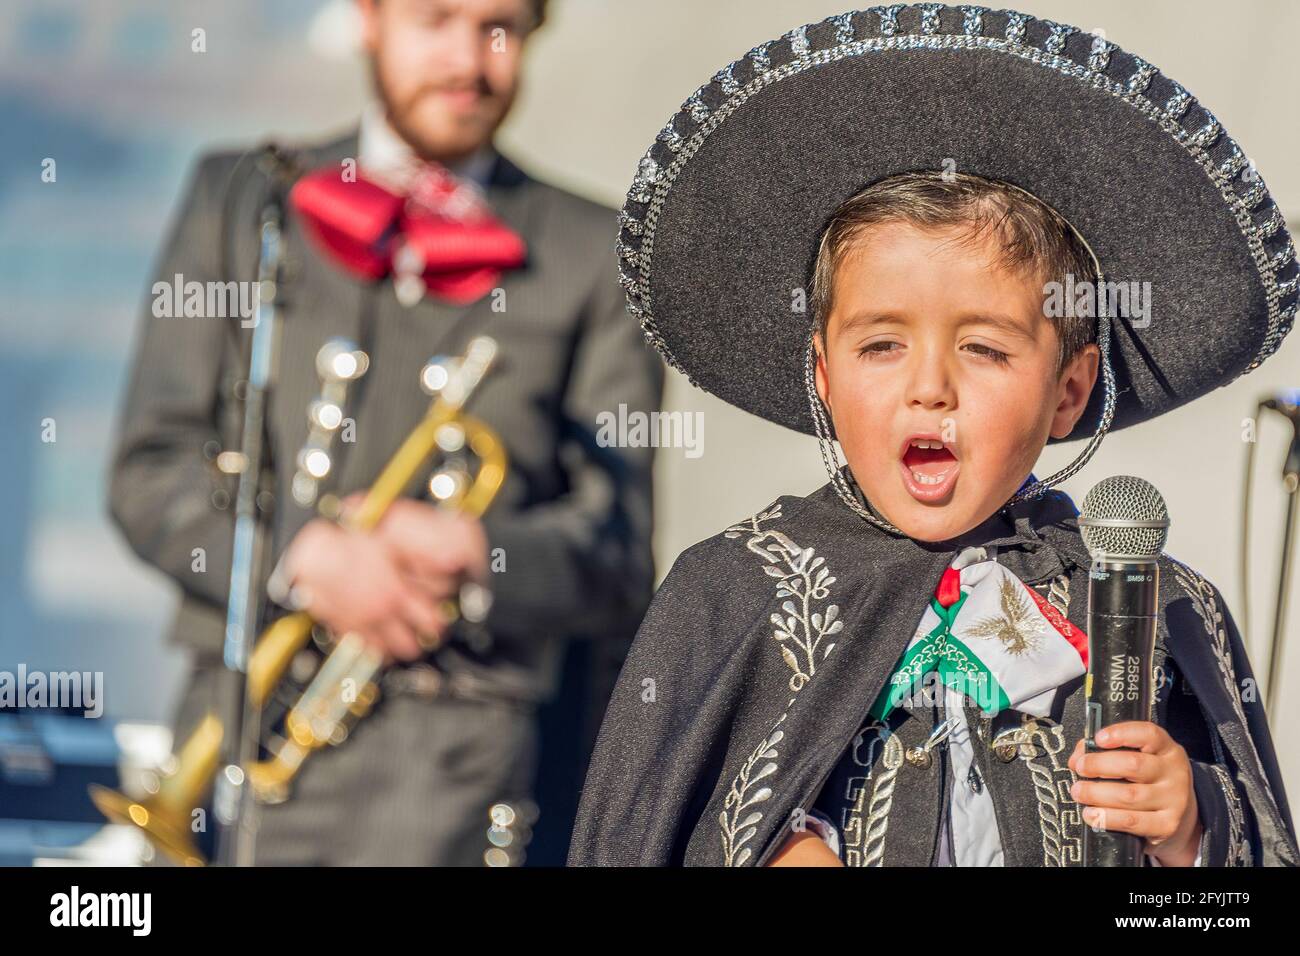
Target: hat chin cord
[[1029, 492]]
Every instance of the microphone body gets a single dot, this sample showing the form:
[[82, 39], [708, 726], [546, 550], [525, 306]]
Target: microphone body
[[1124, 523], [1122, 608]]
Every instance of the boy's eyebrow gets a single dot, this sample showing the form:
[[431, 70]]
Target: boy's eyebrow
[[867, 318], [999, 321]]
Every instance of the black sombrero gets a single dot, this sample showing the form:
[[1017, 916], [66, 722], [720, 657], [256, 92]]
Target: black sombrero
[[723, 219]]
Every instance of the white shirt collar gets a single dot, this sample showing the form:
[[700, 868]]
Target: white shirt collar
[[385, 155]]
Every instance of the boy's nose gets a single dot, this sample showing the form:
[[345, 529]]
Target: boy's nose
[[931, 384]]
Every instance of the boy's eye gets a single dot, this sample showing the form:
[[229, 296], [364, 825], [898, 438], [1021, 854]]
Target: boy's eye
[[871, 349], [990, 353]]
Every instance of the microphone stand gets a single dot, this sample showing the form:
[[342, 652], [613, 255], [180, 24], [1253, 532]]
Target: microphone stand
[[232, 801], [1291, 482]]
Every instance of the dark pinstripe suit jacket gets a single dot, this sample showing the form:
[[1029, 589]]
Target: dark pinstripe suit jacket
[[573, 519]]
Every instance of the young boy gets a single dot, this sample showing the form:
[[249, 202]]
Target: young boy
[[810, 685]]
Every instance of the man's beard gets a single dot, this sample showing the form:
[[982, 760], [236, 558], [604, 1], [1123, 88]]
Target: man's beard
[[399, 115]]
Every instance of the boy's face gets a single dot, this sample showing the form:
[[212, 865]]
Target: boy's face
[[930, 341]]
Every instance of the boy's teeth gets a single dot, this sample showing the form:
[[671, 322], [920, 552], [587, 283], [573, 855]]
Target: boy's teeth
[[926, 479], [926, 443]]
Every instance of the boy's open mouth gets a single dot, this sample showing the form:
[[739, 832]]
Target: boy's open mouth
[[929, 467]]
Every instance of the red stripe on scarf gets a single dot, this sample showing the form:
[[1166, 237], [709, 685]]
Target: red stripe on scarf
[[1078, 640], [949, 589]]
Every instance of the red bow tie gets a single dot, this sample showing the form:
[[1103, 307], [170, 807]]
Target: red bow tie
[[440, 237]]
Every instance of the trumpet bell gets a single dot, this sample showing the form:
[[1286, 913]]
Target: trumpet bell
[[166, 828], [165, 816]]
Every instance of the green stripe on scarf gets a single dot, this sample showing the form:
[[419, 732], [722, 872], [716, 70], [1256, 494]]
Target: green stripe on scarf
[[956, 664]]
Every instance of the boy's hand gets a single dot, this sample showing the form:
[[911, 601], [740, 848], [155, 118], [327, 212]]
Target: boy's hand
[[804, 848], [1146, 791]]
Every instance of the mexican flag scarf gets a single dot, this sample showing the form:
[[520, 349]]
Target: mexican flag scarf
[[987, 634]]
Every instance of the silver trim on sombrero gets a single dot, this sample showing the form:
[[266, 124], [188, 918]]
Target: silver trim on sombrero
[[653, 182]]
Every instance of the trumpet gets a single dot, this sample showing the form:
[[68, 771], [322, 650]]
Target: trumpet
[[344, 688]]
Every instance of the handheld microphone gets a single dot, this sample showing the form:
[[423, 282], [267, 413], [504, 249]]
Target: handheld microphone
[[1124, 523]]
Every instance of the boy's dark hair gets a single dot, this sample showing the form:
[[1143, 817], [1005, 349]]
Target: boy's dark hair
[[1035, 240]]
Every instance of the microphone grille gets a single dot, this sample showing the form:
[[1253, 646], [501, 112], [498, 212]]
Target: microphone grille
[[1124, 517]]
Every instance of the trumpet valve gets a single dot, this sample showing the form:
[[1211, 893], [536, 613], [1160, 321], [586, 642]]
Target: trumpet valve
[[447, 485], [339, 360], [338, 363], [325, 415], [231, 462], [438, 374]]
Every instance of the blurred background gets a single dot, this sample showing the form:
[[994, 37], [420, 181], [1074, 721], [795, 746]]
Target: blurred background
[[113, 92]]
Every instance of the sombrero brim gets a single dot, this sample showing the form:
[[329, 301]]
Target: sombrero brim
[[722, 222]]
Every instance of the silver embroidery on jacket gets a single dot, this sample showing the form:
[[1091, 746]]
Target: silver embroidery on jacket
[[1059, 817], [1202, 595], [1059, 594], [869, 818], [1239, 853], [803, 580], [739, 819]]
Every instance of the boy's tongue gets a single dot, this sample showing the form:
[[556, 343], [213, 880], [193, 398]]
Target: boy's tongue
[[928, 461]]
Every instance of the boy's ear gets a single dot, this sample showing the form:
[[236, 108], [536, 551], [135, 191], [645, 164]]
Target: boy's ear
[[1074, 389], [819, 371]]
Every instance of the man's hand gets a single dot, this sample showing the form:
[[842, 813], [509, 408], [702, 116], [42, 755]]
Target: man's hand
[[436, 548], [352, 581], [1146, 791]]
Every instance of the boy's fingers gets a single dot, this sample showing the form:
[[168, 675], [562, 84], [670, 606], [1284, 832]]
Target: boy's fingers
[[1117, 765], [1137, 734], [1078, 751], [1138, 822], [1117, 795]]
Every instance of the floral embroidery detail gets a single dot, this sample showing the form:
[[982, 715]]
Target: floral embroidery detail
[[1202, 595], [803, 580], [738, 830], [924, 661]]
